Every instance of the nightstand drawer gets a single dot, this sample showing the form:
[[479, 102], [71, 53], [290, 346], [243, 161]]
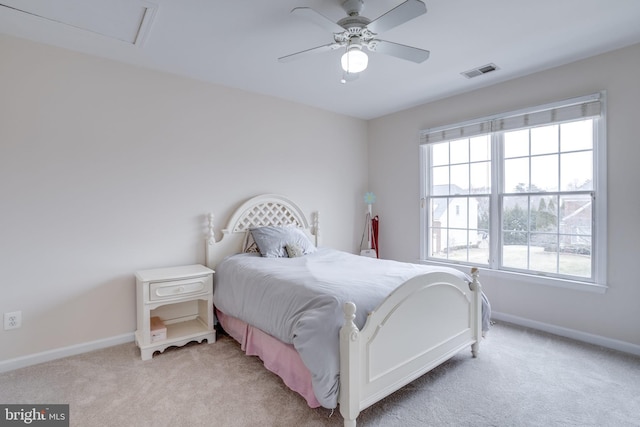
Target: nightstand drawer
[[177, 288]]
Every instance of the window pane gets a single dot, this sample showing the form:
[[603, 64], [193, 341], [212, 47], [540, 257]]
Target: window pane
[[438, 218], [440, 180], [515, 237], [438, 211], [576, 219], [543, 255], [480, 147], [544, 213], [440, 154], [544, 173], [544, 139], [459, 151], [479, 222], [458, 249], [460, 179], [516, 175], [458, 213], [576, 171], [576, 135], [479, 249], [438, 236], [576, 235], [515, 219], [577, 261], [483, 214], [575, 265], [481, 177], [516, 143], [516, 256]]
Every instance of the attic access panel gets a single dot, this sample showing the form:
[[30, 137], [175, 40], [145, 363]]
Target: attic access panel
[[123, 20]]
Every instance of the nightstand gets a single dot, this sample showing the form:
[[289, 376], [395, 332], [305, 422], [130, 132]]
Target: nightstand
[[182, 298]]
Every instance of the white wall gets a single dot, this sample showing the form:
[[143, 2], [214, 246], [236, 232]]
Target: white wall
[[394, 177], [106, 169]]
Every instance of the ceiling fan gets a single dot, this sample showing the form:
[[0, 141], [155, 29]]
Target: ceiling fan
[[355, 33]]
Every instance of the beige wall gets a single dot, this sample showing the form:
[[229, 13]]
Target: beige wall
[[394, 176], [106, 169]]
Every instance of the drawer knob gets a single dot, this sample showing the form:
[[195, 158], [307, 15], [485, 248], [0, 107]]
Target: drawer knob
[[180, 289]]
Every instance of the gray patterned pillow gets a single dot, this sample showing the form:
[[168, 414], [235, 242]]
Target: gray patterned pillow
[[272, 240], [250, 246], [293, 250]]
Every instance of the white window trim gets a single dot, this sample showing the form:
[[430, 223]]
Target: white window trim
[[599, 285]]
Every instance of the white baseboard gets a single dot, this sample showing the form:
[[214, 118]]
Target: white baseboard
[[59, 353], [623, 346], [45, 356]]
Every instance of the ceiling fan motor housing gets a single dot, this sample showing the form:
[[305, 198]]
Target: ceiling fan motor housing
[[354, 23], [353, 7]]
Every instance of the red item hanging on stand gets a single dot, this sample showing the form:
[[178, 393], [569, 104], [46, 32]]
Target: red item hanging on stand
[[375, 223], [371, 233]]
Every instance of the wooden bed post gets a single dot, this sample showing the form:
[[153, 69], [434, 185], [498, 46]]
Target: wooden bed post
[[349, 369], [477, 301]]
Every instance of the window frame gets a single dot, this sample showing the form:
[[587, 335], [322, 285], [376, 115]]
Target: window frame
[[596, 283]]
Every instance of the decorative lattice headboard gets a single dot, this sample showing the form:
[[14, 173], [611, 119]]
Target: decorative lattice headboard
[[259, 211]]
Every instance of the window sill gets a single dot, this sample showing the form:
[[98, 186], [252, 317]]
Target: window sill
[[527, 278]]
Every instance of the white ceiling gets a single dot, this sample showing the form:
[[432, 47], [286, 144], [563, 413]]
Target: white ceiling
[[236, 43]]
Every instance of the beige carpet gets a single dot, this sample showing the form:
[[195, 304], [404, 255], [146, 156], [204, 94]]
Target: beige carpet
[[521, 378]]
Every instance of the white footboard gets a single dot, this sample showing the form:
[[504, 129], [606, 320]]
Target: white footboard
[[420, 325]]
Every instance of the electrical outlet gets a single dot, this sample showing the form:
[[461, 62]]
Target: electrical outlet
[[12, 320]]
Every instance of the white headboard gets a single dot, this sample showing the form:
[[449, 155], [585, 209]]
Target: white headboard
[[259, 211]]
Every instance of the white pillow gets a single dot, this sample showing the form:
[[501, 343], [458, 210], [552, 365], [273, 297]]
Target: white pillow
[[272, 240]]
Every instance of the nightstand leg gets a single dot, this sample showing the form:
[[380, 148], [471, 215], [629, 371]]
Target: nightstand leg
[[146, 354]]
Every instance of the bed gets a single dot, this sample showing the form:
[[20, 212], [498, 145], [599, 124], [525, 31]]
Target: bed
[[345, 337]]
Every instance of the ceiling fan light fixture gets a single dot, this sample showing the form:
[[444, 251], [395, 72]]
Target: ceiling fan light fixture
[[354, 60]]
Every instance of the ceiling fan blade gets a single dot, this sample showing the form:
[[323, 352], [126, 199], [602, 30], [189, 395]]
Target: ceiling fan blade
[[312, 51], [409, 53], [399, 15], [317, 18]]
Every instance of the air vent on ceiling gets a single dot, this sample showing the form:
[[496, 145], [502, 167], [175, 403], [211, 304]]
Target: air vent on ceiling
[[480, 70]]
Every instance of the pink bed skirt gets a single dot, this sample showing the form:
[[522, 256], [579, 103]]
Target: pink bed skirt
[[280, 358]]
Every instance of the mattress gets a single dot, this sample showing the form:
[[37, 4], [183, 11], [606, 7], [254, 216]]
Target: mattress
[[299, 301]]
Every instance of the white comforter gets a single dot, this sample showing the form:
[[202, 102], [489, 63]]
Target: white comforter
[[299, 301]]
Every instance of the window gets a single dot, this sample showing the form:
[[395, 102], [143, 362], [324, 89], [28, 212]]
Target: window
[[522, 192]]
